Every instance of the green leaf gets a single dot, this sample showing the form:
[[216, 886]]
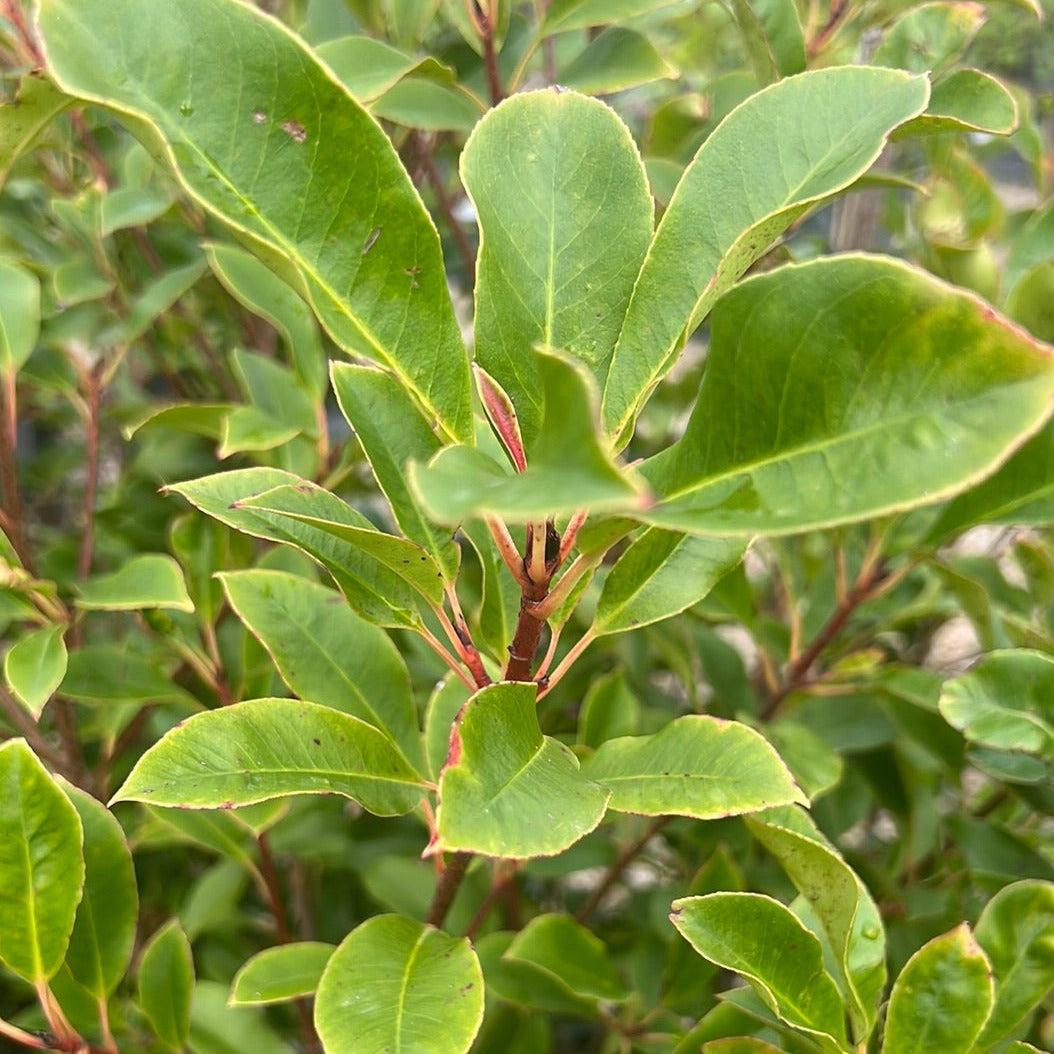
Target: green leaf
[[157, 297], [392, 432], [840, 120], [277, 975], [258, 289], [103, 673], [966, 100], [773, 35], [247, 98], [446, 701], [1030, 301], [19, 315], [564, 15], [374, 592], [166, 984], [759, 938], [419, 102], [697, 766], [24, 120], [609, 710], [508, 790], [41, 869], [204, 419], [368, 67], [615, 60], [840, 900], [941, 999], [569, 954], [567, 467], [930, 36], [129, 207], [326, 653], [1005, 702], [786, 436], [560, 245], [152, 580], [103, 937], [271, 748], [1016, 931], [395, 984], [661, 574], [34, 667]]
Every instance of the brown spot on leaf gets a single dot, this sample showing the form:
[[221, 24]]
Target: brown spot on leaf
[[259, 116], [295, 130]]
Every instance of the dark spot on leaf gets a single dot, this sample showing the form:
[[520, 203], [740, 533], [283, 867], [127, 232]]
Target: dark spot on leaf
[[317, 742]]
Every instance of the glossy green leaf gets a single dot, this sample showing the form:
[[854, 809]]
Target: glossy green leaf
[[395, 984], [570, 954], [567, 466], [966, 100], [839, 118], [392, 432], [326, 653], [151, 580], [19, 315], [564, 15], [560, 245], [1005, 702], [697, 766], [41, 869], [759, 938], [271, 748], [1030, 301], [34, 667], [951, 390], [661, 574], [374, 592], [261, 291], [166, 984], [941, 999], [369, 67], [930, 36], [508, 790], [1016, 931], [103, 937], [282, 112], [288, 971], [25, 119], [615, 60], [839, 899]]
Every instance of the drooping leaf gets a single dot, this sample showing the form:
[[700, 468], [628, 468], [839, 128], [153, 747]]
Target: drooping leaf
[[166, 984], [41, 868], [941, 999], [966, 100], [392, 432], [508, 790], [840, 900], [34, 667], [560, 245], [24, 120], [697, 766], [19, 315], [288, 971], [395, 984], [150, 580], [103, 937], [1016, 931], [282, 112], [759, 938], [715, 227], [570, 954], [615, 60], [661, 574], [844, 389], [326, 653], [270, 748]]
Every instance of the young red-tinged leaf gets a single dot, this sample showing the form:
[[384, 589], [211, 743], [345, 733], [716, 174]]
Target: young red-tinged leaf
[[502, 416]]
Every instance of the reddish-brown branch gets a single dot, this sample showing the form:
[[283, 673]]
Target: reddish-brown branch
[[839, 9], [490, 54], [446, 888], [622, 861], [446, 205]]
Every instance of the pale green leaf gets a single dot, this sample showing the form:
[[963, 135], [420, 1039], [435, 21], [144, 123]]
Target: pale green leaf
[[609, 710], [845, 389], [277, 975], [204, 419], [941, 999], [420, 102], [772, 32], [395, 984], [508, 790], [41, 869], [725, 212], [27, 117], [564, 15], [34, 667], [326, 653], [166, 984], [966, 100], [759, 938], [19, 315], [1016, 931], [697, 766], [930, 36], [105, 673], [615, 60], [232, 94], [151, 580], [369, 67], [271, 748], [446, 701], [561, 244], [128, 207]]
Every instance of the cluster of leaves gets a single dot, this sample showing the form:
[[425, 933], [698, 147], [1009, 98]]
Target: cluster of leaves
[[674, 673]]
